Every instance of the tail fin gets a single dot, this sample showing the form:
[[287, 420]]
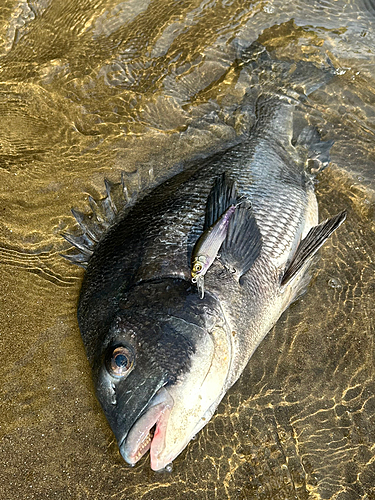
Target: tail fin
[[317, 150], [290, 79]]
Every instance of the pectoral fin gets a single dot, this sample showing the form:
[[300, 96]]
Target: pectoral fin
[[308, 247], [243, 243], [222, 195]]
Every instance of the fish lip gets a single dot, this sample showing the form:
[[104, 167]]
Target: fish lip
[[135, 444]]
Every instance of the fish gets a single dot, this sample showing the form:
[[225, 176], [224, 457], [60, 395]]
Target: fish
[[162, 355]]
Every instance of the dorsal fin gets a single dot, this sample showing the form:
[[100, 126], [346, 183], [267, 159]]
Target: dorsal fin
[[104, 212], [308, 247]]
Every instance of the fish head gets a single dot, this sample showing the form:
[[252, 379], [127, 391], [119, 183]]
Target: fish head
[[163, 369]]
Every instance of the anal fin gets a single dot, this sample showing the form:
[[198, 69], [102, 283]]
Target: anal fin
[[243, 242], [308, 247]]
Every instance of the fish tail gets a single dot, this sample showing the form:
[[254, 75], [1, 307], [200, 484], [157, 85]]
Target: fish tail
[[290, 79], [318, 151]]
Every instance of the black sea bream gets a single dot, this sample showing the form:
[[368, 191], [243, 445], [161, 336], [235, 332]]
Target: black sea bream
[[163, 353]]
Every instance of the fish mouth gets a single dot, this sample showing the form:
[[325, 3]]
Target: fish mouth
[[148, 432]]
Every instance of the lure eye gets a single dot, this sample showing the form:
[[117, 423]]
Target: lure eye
[[119, 361], [198, 268]]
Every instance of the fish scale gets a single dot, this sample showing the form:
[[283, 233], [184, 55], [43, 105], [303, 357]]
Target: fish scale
[[262, 194]]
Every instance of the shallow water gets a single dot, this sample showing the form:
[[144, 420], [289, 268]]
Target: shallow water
[[91, 88]]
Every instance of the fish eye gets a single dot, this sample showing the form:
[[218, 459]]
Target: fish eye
[[197, 268], [119, 361]]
